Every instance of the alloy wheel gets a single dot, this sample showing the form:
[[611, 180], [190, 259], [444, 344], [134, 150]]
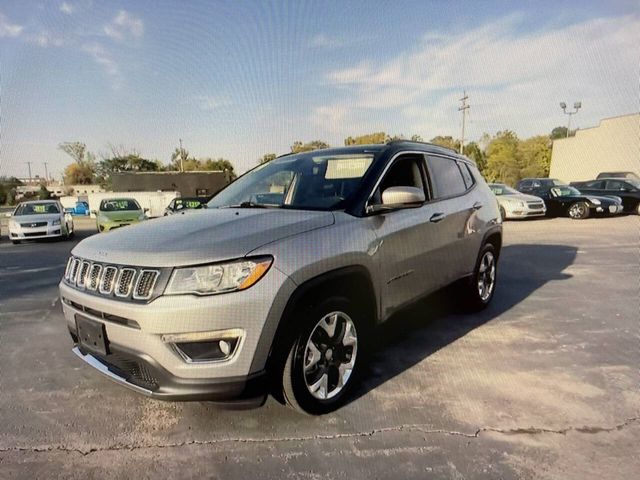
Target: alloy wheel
[[330, 355], [486, 276]]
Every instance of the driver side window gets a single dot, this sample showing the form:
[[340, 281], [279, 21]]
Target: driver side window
[[406, 171]]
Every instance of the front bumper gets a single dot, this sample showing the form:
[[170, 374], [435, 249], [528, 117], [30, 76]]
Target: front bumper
[[107, 226], [141, 333], [24, 233], [524, 212], [610, 209], [142, 374]]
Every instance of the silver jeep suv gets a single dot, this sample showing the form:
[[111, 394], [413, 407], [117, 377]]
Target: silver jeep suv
[[279, 284]]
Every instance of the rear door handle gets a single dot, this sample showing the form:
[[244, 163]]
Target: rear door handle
[[436, 217], [477, 205]]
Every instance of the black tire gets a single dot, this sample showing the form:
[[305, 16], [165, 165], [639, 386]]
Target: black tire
[[578, 211], [473, 299], [15, 242], [295, 390], [503, 213], [638, 209]]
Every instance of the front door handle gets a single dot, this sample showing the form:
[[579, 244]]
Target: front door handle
[[477, 206], [436, 217]]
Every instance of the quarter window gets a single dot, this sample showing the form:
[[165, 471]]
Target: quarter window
[[446, 177], [466, 175]]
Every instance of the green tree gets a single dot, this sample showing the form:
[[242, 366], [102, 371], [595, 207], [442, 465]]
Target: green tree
[[178, 158], [447, 142], [299, 147], [43, 193], [218, 164], [267, 157], [369, 139], [534, 156], [84, 168], [473, 151], [502, 158], [123, 162]]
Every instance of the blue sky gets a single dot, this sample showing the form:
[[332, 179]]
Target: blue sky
[[239, 79]]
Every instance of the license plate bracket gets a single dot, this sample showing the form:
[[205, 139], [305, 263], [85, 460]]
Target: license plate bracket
[[92, 335]]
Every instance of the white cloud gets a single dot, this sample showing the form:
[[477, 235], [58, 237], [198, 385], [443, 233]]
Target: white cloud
[[324, 41], [8, 29], [209, 102], [103, 58], [67, 8], [515, 78], [124, 25], [46, 39]]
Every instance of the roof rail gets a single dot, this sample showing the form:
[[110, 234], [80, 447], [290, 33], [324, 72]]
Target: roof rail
[[391, 142]]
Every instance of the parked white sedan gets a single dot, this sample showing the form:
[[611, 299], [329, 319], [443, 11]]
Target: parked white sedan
[[39, 219], [514, 204]]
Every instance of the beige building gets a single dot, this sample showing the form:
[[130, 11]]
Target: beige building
[[612, 146]]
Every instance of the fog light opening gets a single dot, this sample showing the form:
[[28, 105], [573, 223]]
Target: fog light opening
[[207, 351]]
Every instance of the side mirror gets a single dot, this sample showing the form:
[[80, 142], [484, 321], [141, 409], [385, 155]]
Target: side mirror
[[93, 212], [399, 197], [146, 210]]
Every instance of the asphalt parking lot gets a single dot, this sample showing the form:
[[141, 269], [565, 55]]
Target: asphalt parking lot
[[543, 384]]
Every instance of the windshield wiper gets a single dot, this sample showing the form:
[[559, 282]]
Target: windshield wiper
[[250, 205]]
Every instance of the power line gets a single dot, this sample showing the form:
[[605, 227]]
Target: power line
[[463, 109]]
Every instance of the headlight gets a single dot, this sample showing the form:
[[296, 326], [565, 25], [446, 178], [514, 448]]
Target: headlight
[[218, 278], [13, 224], [595, 201], [55, 222]]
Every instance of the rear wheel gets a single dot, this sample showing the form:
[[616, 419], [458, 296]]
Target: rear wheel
[[579, 211], [478, 289], [325, 358]]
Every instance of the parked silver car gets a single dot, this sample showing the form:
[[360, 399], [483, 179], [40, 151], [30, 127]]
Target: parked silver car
[[279, 284], [514, 204], [38, 219]]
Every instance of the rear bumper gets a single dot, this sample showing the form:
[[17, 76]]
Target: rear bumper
[[141, 373]]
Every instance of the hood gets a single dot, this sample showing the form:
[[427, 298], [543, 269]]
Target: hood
[[520, 197], [605, 200], [121, 215], [44, 217], [208, 236]]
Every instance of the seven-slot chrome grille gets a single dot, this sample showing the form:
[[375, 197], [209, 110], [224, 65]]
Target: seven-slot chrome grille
[[123, 282]]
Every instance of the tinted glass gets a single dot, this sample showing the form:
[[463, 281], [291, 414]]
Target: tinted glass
[[617, 185], [446, 177], [466, 175]]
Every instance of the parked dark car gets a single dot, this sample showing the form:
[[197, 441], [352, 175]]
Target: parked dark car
[[628, 175], [565, 200], [625, 188], [185, 204], [531, 185]]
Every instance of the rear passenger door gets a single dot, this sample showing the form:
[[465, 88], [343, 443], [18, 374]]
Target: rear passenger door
[[457, 201]]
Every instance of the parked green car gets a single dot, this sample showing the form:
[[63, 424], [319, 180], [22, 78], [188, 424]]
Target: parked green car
[[118, 212]]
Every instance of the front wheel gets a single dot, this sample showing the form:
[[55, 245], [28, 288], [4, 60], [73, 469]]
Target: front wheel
[[638, 208], [579, 211], [15, 242], [325, 357]]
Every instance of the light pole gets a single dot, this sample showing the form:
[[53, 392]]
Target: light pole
[[576, 106], [463, 109]]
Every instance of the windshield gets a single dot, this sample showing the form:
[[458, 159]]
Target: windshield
[[502, 190], [565, 191], [193, 203], [36, 208], [118, 205], [310, 181]]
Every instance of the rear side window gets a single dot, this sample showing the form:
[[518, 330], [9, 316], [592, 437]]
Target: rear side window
[[446, 177], [466, 175], [595, 184]]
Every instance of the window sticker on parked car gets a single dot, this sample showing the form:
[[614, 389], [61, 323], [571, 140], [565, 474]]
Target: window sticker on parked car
[[40, 208], [347, 167]]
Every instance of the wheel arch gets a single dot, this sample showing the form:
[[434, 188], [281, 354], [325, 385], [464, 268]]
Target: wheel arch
[[352, 281]]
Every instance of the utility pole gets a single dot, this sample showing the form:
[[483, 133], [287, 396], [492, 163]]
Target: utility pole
[[46, 173], [463, 109], [181, 156], [577, 106], [29, 163]]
